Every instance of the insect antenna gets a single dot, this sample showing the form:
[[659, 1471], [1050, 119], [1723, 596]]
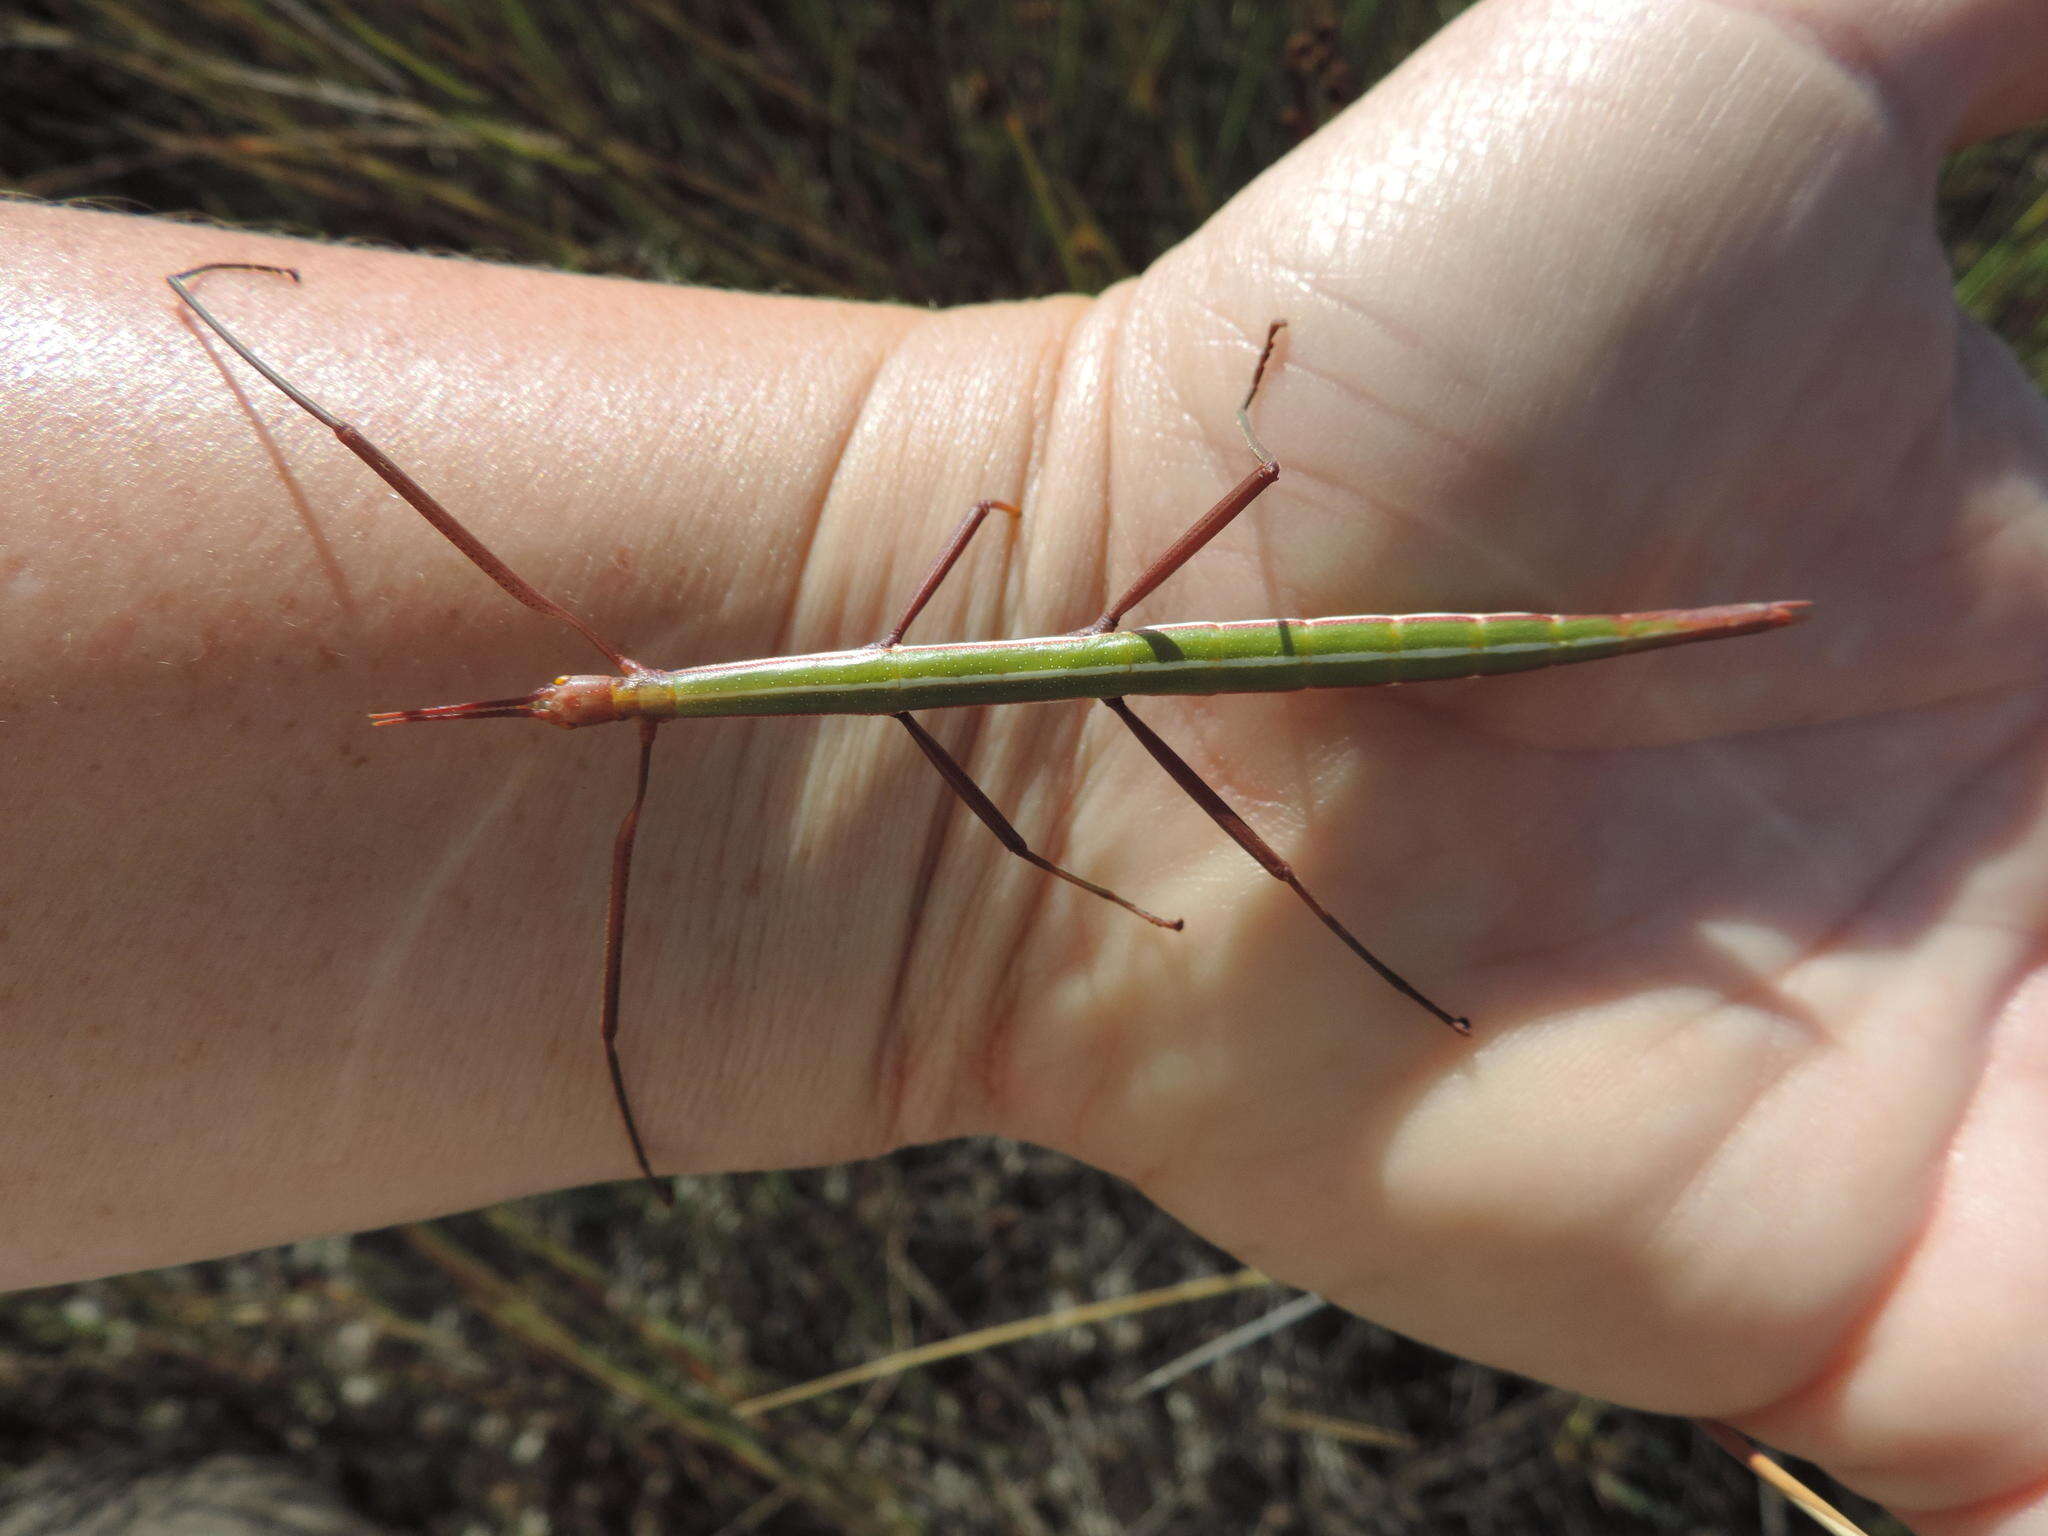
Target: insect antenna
[[481, 709]]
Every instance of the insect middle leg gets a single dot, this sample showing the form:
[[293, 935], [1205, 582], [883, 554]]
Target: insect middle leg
[[956, 777], [979, 803]]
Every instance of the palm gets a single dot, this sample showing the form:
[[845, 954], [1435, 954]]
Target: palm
[[1748, 931]]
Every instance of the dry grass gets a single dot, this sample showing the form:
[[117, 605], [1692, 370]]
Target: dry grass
[[572, 1365]]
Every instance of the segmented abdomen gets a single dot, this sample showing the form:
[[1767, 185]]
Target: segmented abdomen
[[1246, 656]]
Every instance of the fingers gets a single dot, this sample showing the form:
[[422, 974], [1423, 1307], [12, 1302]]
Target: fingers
[[1968, 69]]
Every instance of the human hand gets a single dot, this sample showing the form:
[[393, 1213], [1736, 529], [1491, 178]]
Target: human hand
[[1745, 928], [1598, 307]]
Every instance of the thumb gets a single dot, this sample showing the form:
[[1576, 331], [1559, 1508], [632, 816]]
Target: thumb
[[1958, 70]]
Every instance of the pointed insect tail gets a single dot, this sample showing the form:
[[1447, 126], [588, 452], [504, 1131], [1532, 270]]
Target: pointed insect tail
[[1727, 619], [1588, 638]]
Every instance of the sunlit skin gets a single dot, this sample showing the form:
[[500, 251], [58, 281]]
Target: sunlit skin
[[1099, 661], [1593, 307]]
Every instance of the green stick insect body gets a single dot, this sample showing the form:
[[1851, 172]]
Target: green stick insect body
[[1244, 656], [1101, 662]]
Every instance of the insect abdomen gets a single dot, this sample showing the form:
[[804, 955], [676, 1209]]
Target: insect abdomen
[[1248, 656], [1274, 655]]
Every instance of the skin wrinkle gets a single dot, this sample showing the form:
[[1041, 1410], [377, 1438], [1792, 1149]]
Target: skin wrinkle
[[1841, 1358], [1676, 1182], [1449, 361], [1117, 1065], [1880, 1298], [1658, 1204], [1110, 349], [1399, 515], [1857, 1336], [1836, 936], [1855, 55], [898, 1084], [1841, 1361], [752, 743], [1421, 424], [992, 1066], [889, 1060], [786, 626], [1123, 1063], [1227, 475], [895, 1079], [1933, 419], [889, 1066], [1887, 117], [1394, 515], [994, 1069], [1770, 1076]]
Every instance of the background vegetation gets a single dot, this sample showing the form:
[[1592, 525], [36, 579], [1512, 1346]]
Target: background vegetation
[[570, 1364]]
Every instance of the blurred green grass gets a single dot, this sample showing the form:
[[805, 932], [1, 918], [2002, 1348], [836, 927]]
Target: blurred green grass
[[568, 1365], [933, 154]]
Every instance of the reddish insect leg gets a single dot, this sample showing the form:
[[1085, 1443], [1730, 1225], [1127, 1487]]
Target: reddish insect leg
[[979, 803], [615, 957], [1271, 862], [949, 767], [444, 521], [942, 567], [1206, 527], [1217, 518], [517, 586]]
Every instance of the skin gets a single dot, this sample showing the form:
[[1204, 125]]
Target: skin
[[1593, 306]]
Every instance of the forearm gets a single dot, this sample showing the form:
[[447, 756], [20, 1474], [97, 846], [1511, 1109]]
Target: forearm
[[268, 974]]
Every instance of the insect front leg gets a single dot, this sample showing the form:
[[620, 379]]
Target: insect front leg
[[517, 587], [942, 567], [1217, 518]]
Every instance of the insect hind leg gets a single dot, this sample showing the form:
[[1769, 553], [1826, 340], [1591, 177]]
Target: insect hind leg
[[1240, 831]]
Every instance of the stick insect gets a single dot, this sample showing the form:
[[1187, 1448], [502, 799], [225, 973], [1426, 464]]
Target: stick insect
[[1102, 661]]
